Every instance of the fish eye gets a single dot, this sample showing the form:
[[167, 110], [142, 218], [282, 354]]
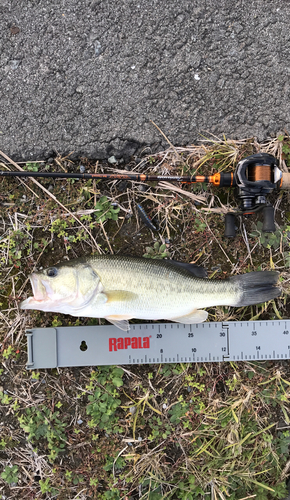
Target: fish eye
[[51, 272]]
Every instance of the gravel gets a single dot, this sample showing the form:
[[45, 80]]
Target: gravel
[[87, 77]]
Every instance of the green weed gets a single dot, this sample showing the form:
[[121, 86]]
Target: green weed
[[63, 227], [139, 407], [16, 245], [104, 400], [9, 352], [35, 375], [267, 240], [157, 252], [10, 474], [31, 167], [46, 487], [285, 147], [178, 411], [43, 424], [199, 225], [105, 210], [4, 398], [151, 490], [112, 494], [280, 239], [222, 155]]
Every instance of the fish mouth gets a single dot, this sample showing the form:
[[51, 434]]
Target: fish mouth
[[38, 289], [39, 294]]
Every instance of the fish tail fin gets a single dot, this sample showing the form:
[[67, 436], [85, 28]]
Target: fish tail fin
[[256, 287]]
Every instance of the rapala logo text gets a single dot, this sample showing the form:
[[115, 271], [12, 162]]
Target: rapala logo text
[[125, 342]]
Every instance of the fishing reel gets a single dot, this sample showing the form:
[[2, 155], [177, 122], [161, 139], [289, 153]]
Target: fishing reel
[[255, 177]]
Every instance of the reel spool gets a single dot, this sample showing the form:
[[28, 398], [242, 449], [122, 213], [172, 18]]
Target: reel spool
[[258, 173]]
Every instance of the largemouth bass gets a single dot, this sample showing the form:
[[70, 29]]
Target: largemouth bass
[[120, 288]]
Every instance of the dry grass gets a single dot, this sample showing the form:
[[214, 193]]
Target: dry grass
[[213, 431]]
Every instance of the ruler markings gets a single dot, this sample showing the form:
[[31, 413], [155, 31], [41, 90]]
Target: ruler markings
[[159, 342]]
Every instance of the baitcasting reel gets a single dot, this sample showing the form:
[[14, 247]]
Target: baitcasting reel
[[255, 177]]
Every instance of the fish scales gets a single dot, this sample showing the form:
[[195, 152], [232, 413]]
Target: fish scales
[[119, 288], [157, 278]]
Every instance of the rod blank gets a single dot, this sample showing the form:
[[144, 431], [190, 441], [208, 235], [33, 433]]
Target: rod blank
[[114, 176]]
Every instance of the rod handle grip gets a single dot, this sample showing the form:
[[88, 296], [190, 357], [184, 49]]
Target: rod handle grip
[[286, 180]]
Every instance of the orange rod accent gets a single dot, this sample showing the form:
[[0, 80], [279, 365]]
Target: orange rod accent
[[215, 179], [199, 178]]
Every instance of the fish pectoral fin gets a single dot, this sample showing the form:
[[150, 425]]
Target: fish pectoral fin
[[120, 321], [120, 295], [196, 316]]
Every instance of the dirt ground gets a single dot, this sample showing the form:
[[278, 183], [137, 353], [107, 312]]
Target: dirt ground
[[180, 431]]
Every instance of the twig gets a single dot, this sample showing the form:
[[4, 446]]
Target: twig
[[20, 180], [199, 198], [54, 198], [166, 138], [245, 237], [119, 454], [227, 257], [106, 236]]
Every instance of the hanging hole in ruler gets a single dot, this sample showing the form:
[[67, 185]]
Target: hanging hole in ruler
[[83, 346]]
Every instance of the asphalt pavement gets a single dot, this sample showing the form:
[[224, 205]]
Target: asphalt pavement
[[89, 76]]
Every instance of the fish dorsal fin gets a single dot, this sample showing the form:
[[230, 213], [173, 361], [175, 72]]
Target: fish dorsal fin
[[119, 296], [194, 269], [120, 321], [196, 316]]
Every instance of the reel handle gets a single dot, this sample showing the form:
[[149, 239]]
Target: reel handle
[[230, 229], [269, 221]]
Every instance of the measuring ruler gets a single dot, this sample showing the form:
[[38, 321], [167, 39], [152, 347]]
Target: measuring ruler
[[158, 343]]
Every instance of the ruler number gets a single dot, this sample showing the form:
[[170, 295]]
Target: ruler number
[[254, 333], [222, 334], [159, 336], [286, 332], [161, 350], [224, 349], [258, 347], [194, 349], [190, 334]]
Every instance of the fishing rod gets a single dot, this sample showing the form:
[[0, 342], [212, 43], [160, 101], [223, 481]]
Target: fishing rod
[[254, 178], [131, 176]]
